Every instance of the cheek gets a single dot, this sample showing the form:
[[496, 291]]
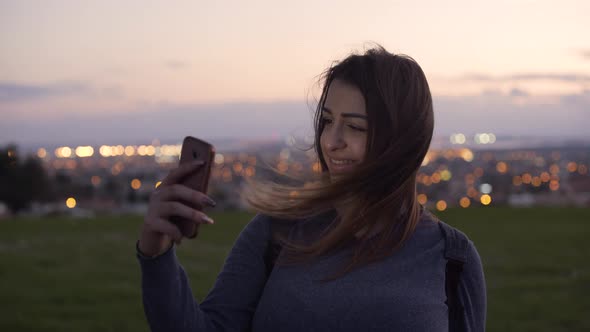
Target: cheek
[[360, 148], [322, 144]]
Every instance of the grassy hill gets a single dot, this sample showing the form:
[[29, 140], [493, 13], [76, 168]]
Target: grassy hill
[[65, 274]]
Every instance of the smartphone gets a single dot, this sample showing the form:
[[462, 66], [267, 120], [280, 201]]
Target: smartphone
[[195, 149]]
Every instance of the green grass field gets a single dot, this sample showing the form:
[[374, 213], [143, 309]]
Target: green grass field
[[82, 274]]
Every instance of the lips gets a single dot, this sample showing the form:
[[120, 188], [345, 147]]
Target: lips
[[340, 165], [341, 161]]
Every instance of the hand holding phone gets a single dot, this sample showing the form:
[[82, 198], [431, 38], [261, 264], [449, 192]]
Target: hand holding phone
[[175, 208], [193, 150]]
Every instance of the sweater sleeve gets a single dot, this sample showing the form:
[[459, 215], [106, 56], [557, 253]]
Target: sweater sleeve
[[168, 301], [472, 291]]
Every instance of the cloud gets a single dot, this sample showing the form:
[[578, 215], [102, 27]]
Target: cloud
[[11, 92], [518, 93], [562, 77], [492, 111], [163, 120], [502, 114], [176, 64], [581, 100]]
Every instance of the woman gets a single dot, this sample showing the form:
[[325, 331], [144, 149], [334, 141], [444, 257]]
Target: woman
[[356, 252]]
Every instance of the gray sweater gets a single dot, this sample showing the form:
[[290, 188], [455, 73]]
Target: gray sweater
[[404, 292]]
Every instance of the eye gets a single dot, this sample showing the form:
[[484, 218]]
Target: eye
[[326, 121], [357, 128]]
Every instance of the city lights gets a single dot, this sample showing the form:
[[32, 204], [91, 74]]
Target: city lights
[[484, 138], [435, 178], [457, 139], [63, 152], [469, 179], [218, 159], [95, 180], [464, 202], [41, 153], [527, 178], [316, 167], [105, 151], [84, 151], [250, 171], [466, 154], [446, 175], [71, 202], [422, 199], [502, 167], [150, 150], [141, 150], [572, 167], [129, 150], [444, 182], [485, 188], [238, 167], [486, 199], [135, 184], [478, 172]]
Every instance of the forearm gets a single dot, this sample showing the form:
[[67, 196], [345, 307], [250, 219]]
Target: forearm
[[169, 304]]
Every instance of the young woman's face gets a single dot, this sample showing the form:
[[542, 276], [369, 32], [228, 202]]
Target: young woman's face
[[344, 137]]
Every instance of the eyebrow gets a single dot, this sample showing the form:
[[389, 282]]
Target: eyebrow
[[346, 115]]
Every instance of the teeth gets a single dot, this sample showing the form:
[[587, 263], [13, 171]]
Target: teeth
[[341, 162]]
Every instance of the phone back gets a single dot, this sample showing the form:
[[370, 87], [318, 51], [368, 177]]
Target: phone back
[[195, 149]]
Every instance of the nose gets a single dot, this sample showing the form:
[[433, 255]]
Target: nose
[[334, 139]]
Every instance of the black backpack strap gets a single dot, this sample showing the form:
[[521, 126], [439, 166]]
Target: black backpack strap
[[456, 244]]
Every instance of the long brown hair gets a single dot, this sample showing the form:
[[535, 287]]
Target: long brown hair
[[381, 191]]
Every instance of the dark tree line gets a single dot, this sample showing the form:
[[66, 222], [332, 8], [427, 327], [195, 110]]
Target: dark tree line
[[22, 180]]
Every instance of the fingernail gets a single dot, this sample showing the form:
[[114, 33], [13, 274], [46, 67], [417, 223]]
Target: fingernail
[[210, 201], [208, 220]]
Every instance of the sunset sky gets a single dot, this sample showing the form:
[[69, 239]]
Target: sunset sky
[[113, 71]]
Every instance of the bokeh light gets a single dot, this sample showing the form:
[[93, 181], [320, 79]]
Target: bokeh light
[[135, 184], [485, 199], [441, 205], [422, 199], [465, 202], [71, 202], [41, 153]]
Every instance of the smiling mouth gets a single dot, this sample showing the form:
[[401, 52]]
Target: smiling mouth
[[340, 162]]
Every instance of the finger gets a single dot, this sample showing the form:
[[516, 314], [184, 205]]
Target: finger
[[168, 228], [169, 209], [179, 192], [187, 227], [183, 170]]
